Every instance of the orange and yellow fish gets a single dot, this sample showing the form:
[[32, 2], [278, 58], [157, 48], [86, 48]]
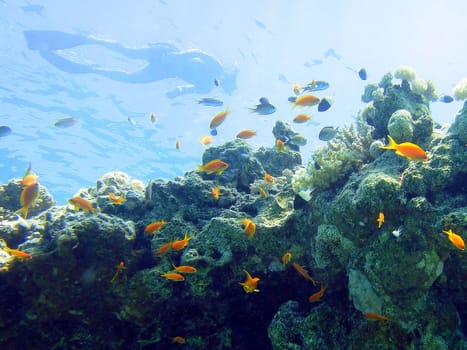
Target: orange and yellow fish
[[18, 253], [318, 295], [120, 268], [306, 100], [301, 118], [373, 316], [250, 284], [215, 193], [218, 119], [185, 269], [81, 203], [268, 177], [177, 144], [172, 276], [280, 146], [249, 227], [28, 196], [286, 258], [179, 245], [455, 239], [297, 88], [206, 140], [178, 339], [408, 150], [246, 134], [214, 166], [155, 226], [29, 177], [303, 272], [380, 219], [263, 192], [164, 248], [116, 199]]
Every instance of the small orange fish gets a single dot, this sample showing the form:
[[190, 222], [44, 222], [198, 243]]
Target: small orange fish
[[286, 258], [179, 245], [155, 226], [28, 196], [218, 119], [263, 193], [177, 144], [206, 140], [301, 118], [318, 295], [306, 100], [153, 118], [250, 284], [185, 269], [120, 268], [214, 166], [303, 272], [373, 316], [178, 339], [408, 150], [380, 219], [268, 177], [18, 253], [280, 146], [164, 248], [249, 227], [215, 193], [116, 200], [455, 239], [172, 276], [81, 203], [246, 134], [297, 88]]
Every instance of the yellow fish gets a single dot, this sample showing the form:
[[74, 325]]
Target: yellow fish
[[250, 284], [455, 239], [380, 219], [408, 150]]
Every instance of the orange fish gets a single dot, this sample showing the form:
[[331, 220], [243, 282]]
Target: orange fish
[[185, 269], [318, 295], [155, 226], [172, 276], [286, 258], [29, 179], [280, 146], [120, 268], [296, 89], [28, 196], [249, 227], [263, 193], [380, 219], [153, 118], [306, 100], [250, 283], [81, 203], [116, 200], [215, 193], [373, 316], [268, 177], [178, 339], [303, 272], [246, 134], [455, 239], [301, 118], [164, 248], [179, 245], [206, 140], [18, 253], [408, 150], [177, 144], [214, 166], [218, 119]]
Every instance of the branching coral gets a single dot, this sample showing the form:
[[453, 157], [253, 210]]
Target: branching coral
[[334, 162]]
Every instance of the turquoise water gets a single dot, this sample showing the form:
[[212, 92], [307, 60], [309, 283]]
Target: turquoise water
[[107, 62]]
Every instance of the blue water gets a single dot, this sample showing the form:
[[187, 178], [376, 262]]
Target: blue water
[[107, 61]]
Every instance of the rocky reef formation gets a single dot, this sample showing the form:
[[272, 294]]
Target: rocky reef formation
[[95, 277]]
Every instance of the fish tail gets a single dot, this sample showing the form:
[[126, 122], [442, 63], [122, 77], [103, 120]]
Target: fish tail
[[23, 212], [391, 145]]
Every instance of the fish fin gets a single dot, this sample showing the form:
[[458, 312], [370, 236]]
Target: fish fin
[[391, 145]]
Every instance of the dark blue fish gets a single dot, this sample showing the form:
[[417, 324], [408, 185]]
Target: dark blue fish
[[212, 102], [324, 104], [292, 99], [213, 132], [446, 99], [264, 107], [216, 82], [362, 74], [4, 131], [316, 85]]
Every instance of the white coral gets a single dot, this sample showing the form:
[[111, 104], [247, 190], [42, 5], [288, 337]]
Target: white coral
[[405, 73], [460, 90]]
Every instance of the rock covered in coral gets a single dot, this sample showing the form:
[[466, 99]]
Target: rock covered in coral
[[400, 126]]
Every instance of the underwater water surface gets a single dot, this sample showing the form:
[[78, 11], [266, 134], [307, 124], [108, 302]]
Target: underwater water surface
[[233, 175]]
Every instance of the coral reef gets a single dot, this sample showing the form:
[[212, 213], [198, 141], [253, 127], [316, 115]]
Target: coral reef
[[460, 90]]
